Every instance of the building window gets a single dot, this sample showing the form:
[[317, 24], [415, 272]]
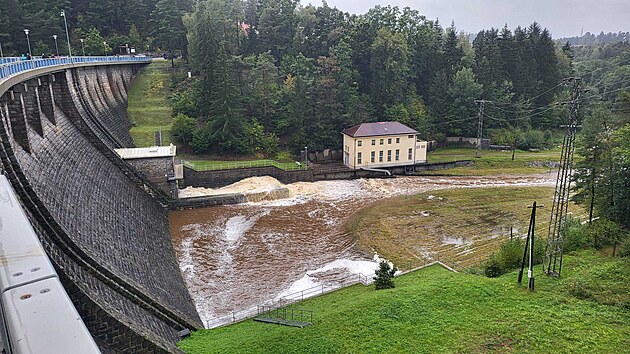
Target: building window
[[381, 141], [389, 141], [358, 158], [359, 143], [373, 142], [389, 155], [409, 154], [397, 155], [397, 140], [372, 156], [380, 156], [410, 136]]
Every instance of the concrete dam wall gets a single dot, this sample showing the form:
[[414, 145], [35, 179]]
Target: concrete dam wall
[[104, 227]]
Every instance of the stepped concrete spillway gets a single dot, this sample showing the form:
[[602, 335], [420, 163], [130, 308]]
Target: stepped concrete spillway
[[104, 227]]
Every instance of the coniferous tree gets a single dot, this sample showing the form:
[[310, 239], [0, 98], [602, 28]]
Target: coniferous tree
[[168, 28], [384, 278]]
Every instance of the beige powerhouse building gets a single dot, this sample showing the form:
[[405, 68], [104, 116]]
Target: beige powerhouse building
[[382, 144]]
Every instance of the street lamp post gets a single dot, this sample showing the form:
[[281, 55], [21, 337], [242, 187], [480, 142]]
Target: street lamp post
[[306, 157], [28, 41], [105, 48], [82, 46], [56, 46], [65, 22], [1, 62]]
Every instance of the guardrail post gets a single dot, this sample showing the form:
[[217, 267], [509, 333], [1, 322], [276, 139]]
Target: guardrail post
[[233, 318]]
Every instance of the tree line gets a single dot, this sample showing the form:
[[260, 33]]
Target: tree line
[[271, 73], [146, 25], [603, 175]]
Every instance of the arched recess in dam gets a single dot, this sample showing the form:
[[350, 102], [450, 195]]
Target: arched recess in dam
[[103, 226]]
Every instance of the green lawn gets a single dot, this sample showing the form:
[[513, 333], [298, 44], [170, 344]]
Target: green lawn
[[210, 165], [149, 109], [492, 161], [436, 311]]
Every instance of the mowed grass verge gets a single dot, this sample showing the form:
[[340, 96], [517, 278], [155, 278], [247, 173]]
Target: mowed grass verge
[[434, 310], [464, 225], [211, 165], [149, 109], [491, 162]]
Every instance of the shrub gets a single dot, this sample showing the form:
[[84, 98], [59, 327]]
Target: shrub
[[510, 256], [491, 268], [603, 233], [184, 128], [574, 235], [531, 139], [384, 278]]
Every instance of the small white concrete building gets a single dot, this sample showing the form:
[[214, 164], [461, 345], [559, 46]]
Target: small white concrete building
[[382, 144]]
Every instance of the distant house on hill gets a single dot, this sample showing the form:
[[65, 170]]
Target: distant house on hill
[[382, 144]]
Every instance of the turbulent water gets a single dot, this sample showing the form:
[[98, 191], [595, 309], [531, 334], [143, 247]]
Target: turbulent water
[[233, 257]]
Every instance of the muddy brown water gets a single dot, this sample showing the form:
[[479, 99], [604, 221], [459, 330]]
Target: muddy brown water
[[233, 257]]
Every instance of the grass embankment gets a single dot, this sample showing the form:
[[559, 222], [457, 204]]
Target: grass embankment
[[492, 162], [465, 225], [434, 310], [149, 109]]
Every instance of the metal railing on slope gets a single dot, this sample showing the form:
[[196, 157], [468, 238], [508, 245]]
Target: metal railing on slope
[[252, 311], [14, 66], [242, 164]]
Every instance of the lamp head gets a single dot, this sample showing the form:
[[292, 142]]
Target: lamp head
[[63, 13], [54, 36], [81, 40], [26, 31]]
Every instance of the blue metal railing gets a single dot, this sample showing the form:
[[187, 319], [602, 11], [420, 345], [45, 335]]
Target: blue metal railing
[[11, 66]]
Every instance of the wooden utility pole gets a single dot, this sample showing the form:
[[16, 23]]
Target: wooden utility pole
[[480, 126], [529, 248]]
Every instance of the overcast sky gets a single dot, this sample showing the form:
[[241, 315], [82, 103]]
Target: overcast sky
[[564, 18]]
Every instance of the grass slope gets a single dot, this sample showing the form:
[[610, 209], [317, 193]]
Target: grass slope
[[492, 162], [464, 225], [211, 165], [433, 310], [149, 109]]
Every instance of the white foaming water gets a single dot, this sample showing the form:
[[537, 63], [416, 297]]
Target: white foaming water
[[348, 265], [186, 262], [237, 226]]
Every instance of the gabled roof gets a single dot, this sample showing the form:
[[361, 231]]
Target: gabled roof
[[378, 128]]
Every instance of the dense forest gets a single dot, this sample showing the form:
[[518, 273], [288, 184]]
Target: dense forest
[[146, 25], [272, 72], [603, 176]]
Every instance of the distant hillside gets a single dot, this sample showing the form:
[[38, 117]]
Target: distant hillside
[[602, 38]]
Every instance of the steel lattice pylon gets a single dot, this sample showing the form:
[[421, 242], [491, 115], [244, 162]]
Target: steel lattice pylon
[[552, 264]]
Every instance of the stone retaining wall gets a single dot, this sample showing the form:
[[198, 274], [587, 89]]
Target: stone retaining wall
[[103, 225]]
